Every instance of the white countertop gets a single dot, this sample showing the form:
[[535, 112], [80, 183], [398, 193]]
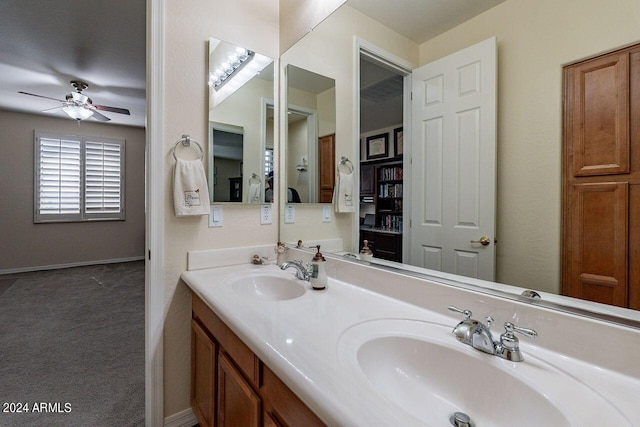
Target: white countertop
[[299, 338]]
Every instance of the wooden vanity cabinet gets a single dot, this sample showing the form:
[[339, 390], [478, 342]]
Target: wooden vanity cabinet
[[230, 386]]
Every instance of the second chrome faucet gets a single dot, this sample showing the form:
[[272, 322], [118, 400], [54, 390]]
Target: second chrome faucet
[[478, 335]]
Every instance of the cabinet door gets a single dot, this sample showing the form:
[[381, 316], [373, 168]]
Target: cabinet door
[[387, 247], [238, 404], [269, 421], [600, 115], [367, 181], [203, 379], [598, 264]]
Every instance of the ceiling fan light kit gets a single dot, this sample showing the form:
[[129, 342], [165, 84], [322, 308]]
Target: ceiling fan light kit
[[77, 112], [79, 106]]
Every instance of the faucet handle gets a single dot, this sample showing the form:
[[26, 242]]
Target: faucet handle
[[510, 328], [467, 314]]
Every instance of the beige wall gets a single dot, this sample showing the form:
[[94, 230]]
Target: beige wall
[[252, 24], [535, 39], [25, 244], [297, 17]]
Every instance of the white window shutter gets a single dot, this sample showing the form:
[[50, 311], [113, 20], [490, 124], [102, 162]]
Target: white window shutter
[[103, 173], [78, 178], [58, 175]]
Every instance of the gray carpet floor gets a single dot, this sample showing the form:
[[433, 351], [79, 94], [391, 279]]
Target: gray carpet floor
[[73, 340]]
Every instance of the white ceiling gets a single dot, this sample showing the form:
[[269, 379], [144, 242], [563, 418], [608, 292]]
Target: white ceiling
[[45, 44], [421, 20]]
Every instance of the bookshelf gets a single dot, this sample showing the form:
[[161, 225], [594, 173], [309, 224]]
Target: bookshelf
[[382, 181]]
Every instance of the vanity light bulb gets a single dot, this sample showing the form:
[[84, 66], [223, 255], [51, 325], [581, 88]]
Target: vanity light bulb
[[242, 53], [234, 61]]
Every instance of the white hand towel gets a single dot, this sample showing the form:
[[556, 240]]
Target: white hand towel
[[343, 200], [190, 190], [254, 193]]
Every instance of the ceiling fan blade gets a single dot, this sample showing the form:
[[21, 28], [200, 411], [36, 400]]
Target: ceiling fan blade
[[41, 96], [112, 109], [100, 117], [51, 109]]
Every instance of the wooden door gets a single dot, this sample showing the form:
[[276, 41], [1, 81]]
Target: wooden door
[[454, 163], [203, 375], [601, 179], [326, 167], [238, 404]]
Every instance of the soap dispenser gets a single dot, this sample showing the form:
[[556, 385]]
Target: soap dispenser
[[318, 271], [365, 253]]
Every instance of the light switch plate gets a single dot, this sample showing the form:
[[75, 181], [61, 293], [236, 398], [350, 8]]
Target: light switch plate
[[289, 214], [266, 214], [215, 216], [326, 213]]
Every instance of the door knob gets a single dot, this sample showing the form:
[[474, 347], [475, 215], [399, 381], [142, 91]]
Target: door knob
[[484, 241]]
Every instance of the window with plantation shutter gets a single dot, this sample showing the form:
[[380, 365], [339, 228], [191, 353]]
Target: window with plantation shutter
[[78, 178]]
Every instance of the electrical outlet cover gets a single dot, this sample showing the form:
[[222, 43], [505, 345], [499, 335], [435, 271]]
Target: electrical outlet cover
[[266, 214]]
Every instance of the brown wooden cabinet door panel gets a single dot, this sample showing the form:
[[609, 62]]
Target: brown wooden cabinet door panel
[[203, 375], [238, 404], [367, 179], [634, 246], [599, 231], [600, 116]]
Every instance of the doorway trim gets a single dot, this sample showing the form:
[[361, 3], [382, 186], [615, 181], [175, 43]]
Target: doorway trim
[[154, 276], [403, 67], [312, 150]]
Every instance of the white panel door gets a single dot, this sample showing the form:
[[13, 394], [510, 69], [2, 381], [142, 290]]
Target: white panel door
[[454, 163]]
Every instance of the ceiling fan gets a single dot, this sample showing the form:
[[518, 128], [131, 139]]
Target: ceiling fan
[[79, 106]]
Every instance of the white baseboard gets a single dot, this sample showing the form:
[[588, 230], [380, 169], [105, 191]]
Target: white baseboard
[[186, 418], [71, 264]]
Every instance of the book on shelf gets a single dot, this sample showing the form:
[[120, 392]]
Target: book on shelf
[[390, 190]]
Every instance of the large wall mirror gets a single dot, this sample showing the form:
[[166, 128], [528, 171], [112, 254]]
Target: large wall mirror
[[241, 125], [311, 116], [530, 60]]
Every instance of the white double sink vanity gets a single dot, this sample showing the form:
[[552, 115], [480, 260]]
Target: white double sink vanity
[[375, 348]]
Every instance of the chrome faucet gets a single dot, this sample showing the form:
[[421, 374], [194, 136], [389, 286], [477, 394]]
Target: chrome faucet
[[478, 335], [303, 271]]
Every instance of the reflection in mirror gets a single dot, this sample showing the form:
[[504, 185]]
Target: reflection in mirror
[[529, 120], [241, 93], [311, 117]]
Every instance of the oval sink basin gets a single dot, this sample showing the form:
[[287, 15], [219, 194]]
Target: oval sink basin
[[421, 368], [269, 287]]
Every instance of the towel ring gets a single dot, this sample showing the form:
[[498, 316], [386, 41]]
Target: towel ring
[[186, 142], [345, 161]]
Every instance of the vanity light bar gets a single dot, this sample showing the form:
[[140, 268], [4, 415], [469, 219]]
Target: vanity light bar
[[227, 70]]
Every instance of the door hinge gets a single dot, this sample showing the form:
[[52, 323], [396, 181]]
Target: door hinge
[[411, 96], [149, 255], [410, 224]]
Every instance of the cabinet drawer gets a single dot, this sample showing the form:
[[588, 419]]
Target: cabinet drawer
[[243, 357]]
